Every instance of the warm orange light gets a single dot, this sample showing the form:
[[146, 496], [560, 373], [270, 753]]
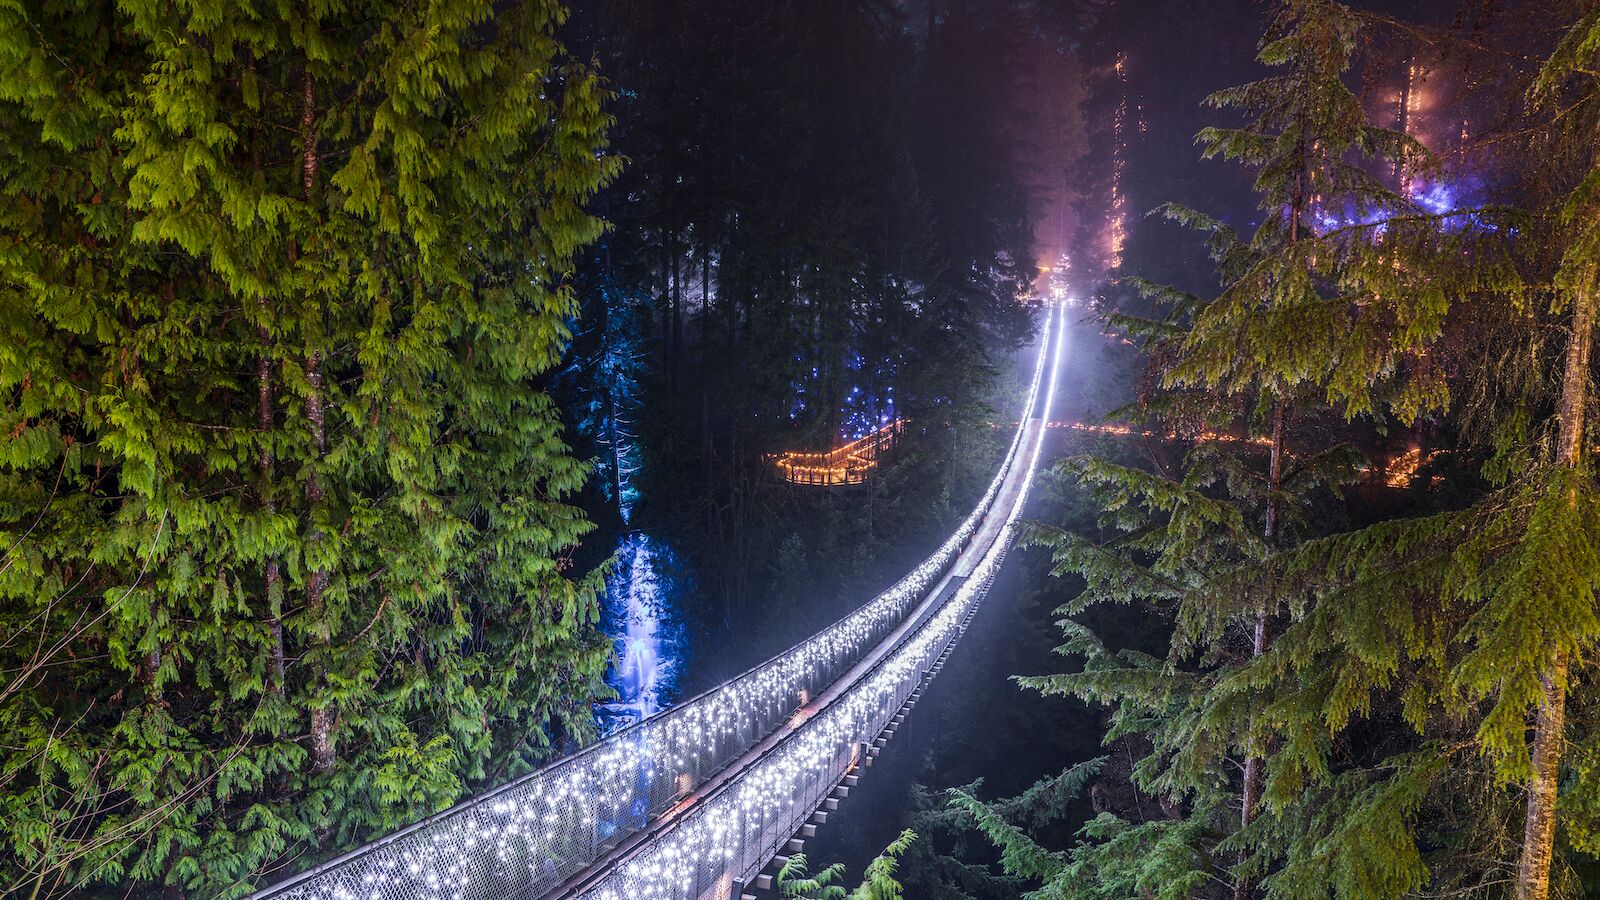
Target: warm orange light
[[848, 464], [1403, 468], [1117, 214], [1127, 431]]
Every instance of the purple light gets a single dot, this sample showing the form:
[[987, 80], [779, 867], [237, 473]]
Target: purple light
[[1437, 198]]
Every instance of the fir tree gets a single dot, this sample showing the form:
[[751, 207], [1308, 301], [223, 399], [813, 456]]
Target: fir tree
[[1332, 303], [281, 492], [1563, 534], [1302, 317], [877, 882], [1469, 622]]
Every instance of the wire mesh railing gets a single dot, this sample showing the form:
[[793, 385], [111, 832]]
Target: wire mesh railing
[[535, 833]]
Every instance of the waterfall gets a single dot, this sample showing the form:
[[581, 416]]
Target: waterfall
[[642, 670], [638, 597]]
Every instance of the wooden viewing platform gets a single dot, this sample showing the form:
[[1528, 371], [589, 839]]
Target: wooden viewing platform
[[848, 464]]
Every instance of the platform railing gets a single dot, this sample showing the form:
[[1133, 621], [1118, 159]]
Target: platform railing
[[848, 464]]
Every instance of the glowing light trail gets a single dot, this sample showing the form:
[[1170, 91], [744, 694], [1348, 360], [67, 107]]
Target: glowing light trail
[[1117, 216]]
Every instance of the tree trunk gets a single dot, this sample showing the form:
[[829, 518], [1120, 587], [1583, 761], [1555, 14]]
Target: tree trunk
[[272, 573], [148, 671], [666, 310], [322, 715], [1549, 735], [1254, 767], [677, 316], [317, 580], [272, 577], [1538, 839], [705, 364], [619, 479], [1575, 380]]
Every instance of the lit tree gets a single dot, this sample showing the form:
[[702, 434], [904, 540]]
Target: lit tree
[[1469, 622], [1560, 563], [1302, 315]]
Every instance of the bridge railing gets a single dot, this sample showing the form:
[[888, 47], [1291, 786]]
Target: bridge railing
[[732, 833], [729, 836], [533, 834]]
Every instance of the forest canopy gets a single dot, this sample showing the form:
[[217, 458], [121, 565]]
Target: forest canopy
[[283, 496], [393, 400]]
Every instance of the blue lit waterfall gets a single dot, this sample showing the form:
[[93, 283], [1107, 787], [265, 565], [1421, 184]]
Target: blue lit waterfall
[[643, 669], [639, 596]]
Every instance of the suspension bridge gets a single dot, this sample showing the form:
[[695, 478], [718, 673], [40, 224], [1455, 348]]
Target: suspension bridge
[[706, 800]]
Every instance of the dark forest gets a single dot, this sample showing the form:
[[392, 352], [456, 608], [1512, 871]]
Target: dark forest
[[844, 449]]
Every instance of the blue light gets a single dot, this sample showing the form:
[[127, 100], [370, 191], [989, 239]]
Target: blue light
[[1437, 198], [642, 672]]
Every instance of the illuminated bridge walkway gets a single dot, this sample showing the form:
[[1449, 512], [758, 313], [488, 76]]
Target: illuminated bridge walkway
[[704, 800]]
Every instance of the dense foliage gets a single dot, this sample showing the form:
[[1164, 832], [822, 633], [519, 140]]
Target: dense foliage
[[877, 882], [1383, 712], [281, 492]]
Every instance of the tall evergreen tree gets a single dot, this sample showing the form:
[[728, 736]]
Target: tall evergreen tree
[[1467, 622], [280, 488], [1332, 303], [1277, 330], [1561, 549]]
